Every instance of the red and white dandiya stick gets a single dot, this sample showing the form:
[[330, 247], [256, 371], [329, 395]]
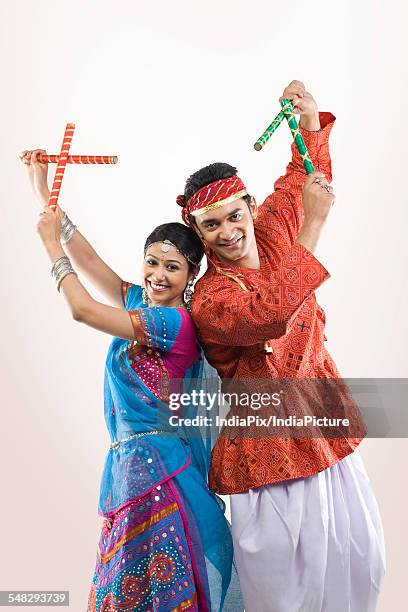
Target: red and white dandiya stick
[[79, 159], [62, 161]]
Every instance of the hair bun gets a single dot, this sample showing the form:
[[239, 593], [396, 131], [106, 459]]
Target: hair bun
[[181, 200]]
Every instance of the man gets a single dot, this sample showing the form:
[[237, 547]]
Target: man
[[306, 527]]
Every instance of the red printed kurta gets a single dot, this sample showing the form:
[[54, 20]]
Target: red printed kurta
[[274, 307]]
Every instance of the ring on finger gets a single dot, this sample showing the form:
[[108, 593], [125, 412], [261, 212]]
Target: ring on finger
[[326, 186]]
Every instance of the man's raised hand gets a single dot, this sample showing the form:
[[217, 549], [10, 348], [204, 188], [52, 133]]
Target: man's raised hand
[[303, 104], [318, 198]]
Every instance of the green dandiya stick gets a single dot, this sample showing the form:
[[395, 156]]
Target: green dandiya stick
[[287, 110], [262, 140]]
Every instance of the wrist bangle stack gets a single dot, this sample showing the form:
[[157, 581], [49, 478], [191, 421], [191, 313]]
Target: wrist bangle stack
[[61, 268], [68, 229]]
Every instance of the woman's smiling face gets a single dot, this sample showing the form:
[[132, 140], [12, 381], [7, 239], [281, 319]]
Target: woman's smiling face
[[165, 275]]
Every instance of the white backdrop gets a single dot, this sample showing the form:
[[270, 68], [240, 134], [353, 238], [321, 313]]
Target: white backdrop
[[169, 87]]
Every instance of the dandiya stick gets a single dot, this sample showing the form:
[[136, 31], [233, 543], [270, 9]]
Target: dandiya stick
[[62, 161], [262, 140], [287, 110], [79, 159]]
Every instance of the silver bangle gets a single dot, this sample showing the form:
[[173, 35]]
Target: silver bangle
[[68, 229], [63, 275], [61, 268], [59, 264]]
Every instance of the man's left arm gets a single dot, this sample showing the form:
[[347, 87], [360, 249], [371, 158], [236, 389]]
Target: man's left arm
[[283, 208]]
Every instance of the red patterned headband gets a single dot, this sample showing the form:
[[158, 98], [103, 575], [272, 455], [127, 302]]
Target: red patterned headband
[[212, 196]]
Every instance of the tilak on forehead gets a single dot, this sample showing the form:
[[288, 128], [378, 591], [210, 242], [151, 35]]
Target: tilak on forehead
[[212, 196]]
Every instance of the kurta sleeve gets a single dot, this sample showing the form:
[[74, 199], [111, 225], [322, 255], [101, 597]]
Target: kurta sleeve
[[282, 211], [156, 327], [226, 314]]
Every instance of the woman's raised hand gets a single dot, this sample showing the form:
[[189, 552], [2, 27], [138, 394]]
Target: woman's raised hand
[[37, 175], [49, 226]]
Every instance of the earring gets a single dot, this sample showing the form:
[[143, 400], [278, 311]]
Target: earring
[[145, 297], [188, 294]]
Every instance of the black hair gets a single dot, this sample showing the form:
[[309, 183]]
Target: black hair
[[207, 175], [183, 237]]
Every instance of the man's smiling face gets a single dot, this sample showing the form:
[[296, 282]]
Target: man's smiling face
[[229, 232]]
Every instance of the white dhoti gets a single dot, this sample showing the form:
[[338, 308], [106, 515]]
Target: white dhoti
[[310, 545]]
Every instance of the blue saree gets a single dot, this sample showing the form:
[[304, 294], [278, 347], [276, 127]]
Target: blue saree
[[165, 544]]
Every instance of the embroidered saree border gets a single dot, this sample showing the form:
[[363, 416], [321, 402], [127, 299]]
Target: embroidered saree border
[[155, 518]]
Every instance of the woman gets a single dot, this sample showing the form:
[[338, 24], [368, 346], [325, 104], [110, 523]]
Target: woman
[[165, 544]]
